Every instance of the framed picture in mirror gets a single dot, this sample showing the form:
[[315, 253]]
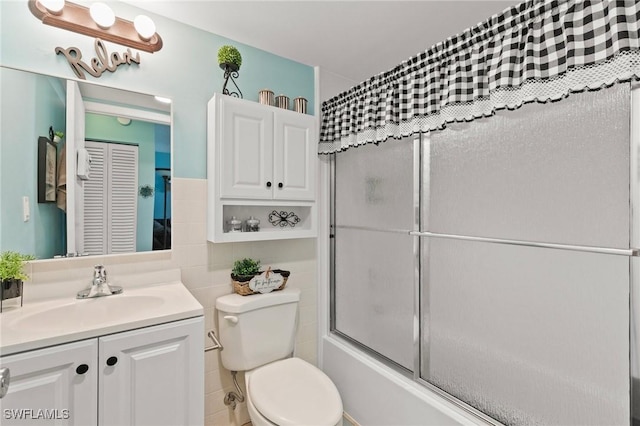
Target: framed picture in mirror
[[47, 173]]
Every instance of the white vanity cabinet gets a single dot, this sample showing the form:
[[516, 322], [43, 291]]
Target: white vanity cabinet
[[261, 159], [56, 385], [153, 376], [148, 376]]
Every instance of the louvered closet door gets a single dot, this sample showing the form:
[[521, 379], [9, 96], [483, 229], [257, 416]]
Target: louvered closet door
[[123, 199], [110, 208], [95, 200]]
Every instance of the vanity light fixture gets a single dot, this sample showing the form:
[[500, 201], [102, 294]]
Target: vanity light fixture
[[123, 121], [99, 21]]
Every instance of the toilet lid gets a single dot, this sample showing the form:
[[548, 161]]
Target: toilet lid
[[294, 392]]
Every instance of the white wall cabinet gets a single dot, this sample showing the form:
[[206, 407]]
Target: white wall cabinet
[[261, 159], [150, 376]]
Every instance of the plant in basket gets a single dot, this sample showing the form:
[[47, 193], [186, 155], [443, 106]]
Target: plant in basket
[[247, 278]]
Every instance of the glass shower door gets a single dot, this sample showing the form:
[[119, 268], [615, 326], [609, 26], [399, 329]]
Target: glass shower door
[[525, 333], [373, 252]]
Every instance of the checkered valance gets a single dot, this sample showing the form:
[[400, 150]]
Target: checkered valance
[[539, 50]]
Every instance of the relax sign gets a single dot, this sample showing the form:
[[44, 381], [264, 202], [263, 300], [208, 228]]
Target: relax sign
[[103, 61]]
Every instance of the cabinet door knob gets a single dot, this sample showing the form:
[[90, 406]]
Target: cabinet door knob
[[268, 184], [112, 360], [280, 185], [82, 368], [5, 379]]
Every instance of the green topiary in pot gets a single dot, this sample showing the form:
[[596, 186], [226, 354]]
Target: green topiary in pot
[[245, 269], [229, 55]]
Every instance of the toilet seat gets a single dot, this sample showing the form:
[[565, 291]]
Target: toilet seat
[[294, 392]]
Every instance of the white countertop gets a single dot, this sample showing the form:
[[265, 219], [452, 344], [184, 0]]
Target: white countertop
[[50, 322]]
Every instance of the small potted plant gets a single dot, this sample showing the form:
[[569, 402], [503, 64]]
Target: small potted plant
[[230, 59], [245, 269], [12, 274], [229, 56], [57, 137]]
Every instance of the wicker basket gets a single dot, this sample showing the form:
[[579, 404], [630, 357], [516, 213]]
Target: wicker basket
[[241, 282]]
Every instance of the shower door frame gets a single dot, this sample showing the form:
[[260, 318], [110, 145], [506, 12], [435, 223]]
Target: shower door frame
[[421, 198]]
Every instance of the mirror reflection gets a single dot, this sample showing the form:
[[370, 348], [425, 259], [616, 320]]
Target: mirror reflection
[[112, 174]]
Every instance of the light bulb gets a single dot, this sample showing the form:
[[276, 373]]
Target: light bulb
[[53, 6], [102, 15], [144, 26]]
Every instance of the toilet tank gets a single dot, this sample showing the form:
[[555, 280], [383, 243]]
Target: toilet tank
[[258, 329]]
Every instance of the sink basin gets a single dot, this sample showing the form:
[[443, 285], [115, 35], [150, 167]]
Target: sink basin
[[88, 312], [54, 321]]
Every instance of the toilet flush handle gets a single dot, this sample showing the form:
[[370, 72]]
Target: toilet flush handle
[[231, 318]]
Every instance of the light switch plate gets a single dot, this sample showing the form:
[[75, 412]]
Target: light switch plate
[[26, 211]]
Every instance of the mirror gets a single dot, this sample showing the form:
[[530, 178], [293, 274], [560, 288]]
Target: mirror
[[113, 171]]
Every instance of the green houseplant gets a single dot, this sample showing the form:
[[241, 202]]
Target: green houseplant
[[229, 56], [12, 273], [245, 269], [57, 136], [230, 59]]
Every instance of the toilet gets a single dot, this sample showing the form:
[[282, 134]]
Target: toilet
[[257, 334]]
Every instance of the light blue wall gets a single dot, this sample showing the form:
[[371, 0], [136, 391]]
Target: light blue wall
[[43, 98], [185, 70], [107, 129]]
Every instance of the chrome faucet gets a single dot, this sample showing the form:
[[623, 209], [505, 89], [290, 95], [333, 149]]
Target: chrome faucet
[[99, 285]]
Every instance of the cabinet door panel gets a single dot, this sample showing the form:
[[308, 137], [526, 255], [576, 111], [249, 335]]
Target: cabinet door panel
[[294, 159], [157, 378], [246, 151], [45, 388]]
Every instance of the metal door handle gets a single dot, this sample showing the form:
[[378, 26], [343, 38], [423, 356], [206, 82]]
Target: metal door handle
[[5, 378]]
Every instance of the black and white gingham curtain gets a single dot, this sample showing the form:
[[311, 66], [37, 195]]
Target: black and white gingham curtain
[[539, 50]]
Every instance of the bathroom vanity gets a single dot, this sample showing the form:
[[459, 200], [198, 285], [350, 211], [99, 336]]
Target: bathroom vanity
[[129, 359]]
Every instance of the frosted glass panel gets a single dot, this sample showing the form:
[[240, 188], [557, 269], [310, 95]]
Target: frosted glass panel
[[529, 336], [554, 173], [375, 186], [374, 291]]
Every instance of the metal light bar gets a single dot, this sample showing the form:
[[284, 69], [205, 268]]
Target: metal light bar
[[587, 249], [77, 18]]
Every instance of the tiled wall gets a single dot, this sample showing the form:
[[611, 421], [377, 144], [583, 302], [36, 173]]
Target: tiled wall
[[205, 271]]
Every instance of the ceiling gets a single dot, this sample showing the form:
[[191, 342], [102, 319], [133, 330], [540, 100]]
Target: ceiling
[[356, 39]]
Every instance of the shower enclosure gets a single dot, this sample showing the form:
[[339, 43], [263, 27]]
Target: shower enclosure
[[493, 261]]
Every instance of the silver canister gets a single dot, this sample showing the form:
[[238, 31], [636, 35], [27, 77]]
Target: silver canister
[[252, 224], [282, 101], [300, 105], [266, 97]]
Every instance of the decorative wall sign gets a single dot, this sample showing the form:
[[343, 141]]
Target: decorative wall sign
[[104, 61], [283, 218], [266, 282]]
